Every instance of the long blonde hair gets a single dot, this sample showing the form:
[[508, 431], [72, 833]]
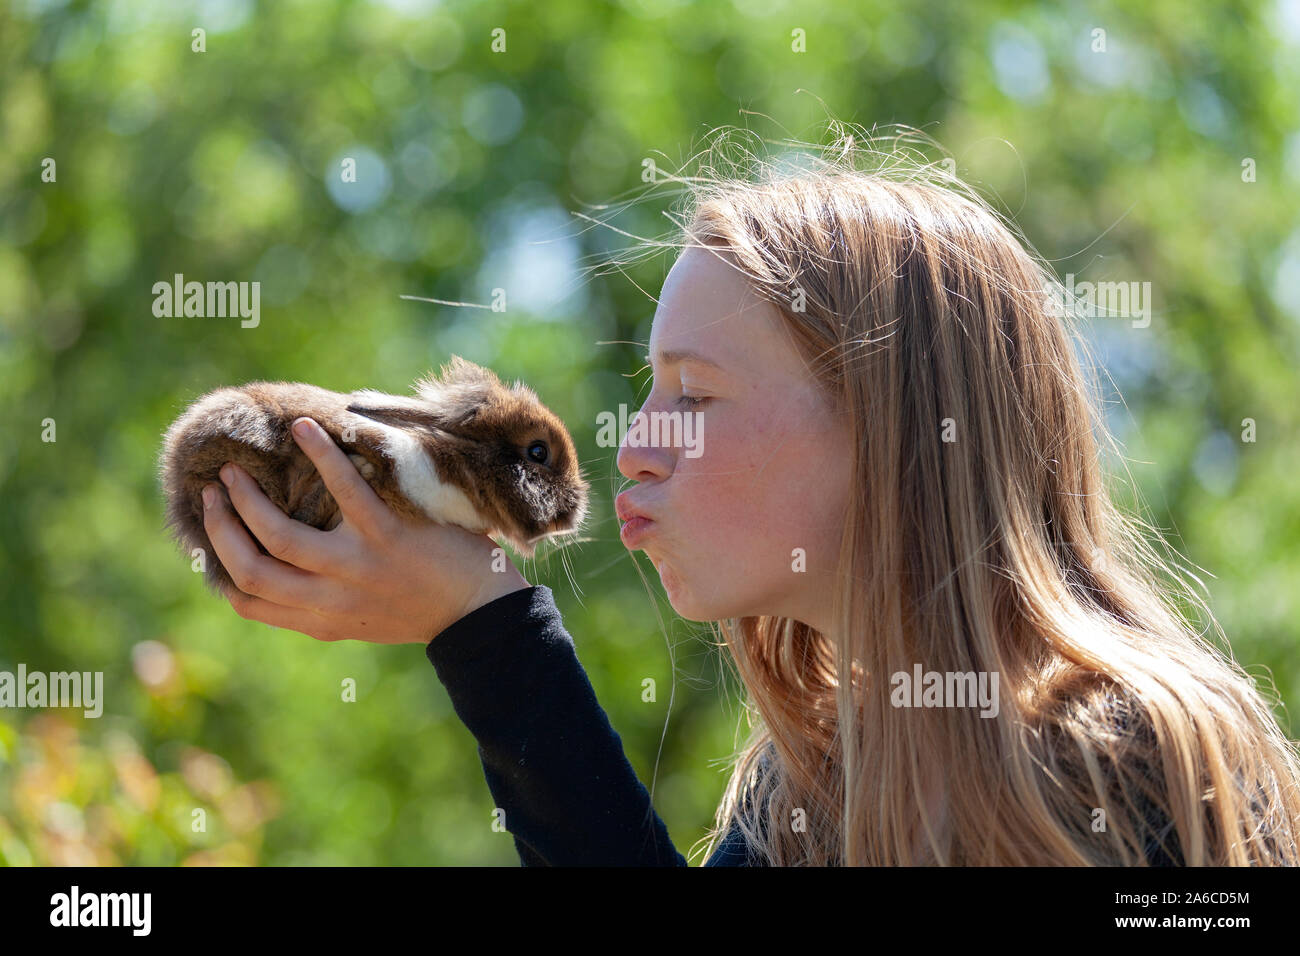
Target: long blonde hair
[[1123, 731]]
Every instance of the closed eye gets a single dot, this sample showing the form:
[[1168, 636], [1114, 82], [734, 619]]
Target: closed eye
[[691, 401]]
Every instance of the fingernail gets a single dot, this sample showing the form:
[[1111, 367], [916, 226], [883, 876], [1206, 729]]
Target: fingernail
[[227, 474], [209, 496], [303, 428]]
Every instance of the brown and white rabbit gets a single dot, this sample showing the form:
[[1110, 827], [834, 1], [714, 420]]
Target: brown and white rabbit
[[466, 450]]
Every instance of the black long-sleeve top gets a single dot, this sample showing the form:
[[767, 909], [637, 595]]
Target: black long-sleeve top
[[553, 763]]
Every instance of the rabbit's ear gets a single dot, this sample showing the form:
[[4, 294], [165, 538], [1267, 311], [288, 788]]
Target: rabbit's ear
[[458, 377], [460, 392], [464, 378], [459, 371], [393, 409]]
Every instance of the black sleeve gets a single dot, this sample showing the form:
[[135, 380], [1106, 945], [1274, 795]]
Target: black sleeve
[[553, 762]]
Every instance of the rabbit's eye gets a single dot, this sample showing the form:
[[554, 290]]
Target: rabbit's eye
[[538, 452]]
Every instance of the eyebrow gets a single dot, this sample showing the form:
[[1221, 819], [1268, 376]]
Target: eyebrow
[[677, 356]]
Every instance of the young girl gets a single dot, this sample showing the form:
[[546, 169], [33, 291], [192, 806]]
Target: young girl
[[958, 651]]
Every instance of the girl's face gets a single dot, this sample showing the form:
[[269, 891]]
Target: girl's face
[[747, 509]]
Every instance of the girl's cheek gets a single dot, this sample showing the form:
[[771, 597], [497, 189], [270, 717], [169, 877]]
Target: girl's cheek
[[719, 488]]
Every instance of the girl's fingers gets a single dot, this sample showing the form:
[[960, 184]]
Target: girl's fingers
[[291, 541], [269, 613], [255, 573], [252, 608], [361, 507]]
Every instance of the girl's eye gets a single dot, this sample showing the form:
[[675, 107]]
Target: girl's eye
[[690, 401]]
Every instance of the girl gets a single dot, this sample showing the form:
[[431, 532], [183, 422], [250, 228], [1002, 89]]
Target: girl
[[957, 650]]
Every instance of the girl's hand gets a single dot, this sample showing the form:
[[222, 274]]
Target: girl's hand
[[376, 577]]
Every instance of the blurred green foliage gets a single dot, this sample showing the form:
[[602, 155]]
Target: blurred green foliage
[[1120, 164]]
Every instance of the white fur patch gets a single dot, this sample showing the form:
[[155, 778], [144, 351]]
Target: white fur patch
[[418, 480], [363, 465]]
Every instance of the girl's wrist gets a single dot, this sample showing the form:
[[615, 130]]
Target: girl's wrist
[[495, 584]]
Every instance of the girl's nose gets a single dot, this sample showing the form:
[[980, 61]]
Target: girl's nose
[[638, 458]]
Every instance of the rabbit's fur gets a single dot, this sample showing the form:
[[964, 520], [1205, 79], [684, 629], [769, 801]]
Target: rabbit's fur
[[462, 451]]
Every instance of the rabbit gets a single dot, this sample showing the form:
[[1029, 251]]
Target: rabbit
[[465, 451]]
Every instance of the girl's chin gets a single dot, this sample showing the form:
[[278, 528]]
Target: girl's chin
[[669, 579], [682, 599], [685, 599], [657, 559]]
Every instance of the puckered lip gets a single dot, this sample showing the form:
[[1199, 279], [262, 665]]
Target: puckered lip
[[626, 510]]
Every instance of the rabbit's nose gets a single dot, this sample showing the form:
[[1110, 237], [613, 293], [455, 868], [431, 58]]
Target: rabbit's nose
[[569, 517]]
